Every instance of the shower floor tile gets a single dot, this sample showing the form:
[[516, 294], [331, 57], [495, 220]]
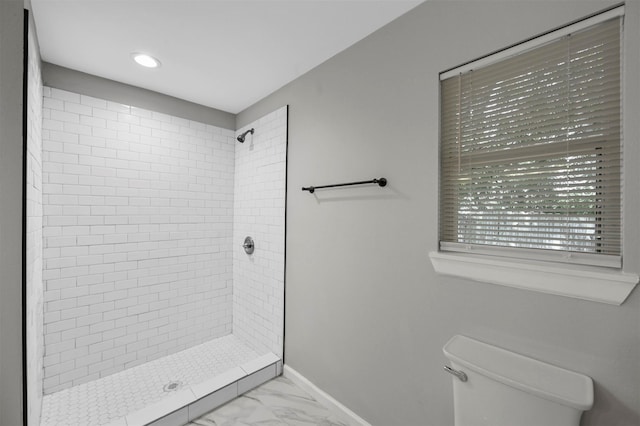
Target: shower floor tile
[[109, 399]]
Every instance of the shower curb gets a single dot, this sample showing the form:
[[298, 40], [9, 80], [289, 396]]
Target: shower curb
[[190, 402]]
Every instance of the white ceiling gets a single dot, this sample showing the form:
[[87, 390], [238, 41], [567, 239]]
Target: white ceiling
[[222, 54]]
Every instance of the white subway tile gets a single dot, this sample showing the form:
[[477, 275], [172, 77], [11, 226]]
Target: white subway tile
[[50, 317], [145, 185], [101, 268], [57, 305], [89, 240], [61, 157], [89, 319], [117, 126], [50, 103], [89, 160], [105, 115], [102, 326], [103, 152], [104, 288], [52, 146], [90, 200], [60, 326], [90, 300], [49, 124], [94, 122], [90, 260], [63, 137], [74, 333], [100, 346], [101, 307], [75, 128], [74, 312], [56, 369], [75, 148], [74, 374], [60, 262], [88, 359], [91, 140], [76, 169], [77, 108], [90, 220]]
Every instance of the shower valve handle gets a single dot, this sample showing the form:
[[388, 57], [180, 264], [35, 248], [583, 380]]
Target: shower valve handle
[[249, 246]]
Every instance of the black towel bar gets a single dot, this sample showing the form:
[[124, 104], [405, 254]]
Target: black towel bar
[[311, 189]]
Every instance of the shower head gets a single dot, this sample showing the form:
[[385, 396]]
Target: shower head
[[242, 136]]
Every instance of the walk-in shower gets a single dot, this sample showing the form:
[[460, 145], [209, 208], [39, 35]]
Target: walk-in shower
[[151, 306]]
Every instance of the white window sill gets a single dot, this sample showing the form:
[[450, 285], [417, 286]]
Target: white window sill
[[590, 283]]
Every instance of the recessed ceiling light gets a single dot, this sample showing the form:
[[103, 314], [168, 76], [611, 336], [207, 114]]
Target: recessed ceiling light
[[145, 60]]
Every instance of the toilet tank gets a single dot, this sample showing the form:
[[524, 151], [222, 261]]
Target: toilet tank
[[508, 389]]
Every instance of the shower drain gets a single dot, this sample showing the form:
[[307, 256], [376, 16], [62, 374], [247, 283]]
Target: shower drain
[[171, 386]]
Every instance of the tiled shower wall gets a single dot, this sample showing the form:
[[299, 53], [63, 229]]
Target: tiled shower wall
[[35, 290], [259, 206], [138, 217]]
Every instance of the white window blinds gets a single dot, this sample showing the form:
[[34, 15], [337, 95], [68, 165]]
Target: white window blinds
[[531, 151]]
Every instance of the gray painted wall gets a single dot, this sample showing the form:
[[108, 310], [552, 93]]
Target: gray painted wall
[[102, 88], [366, 316], [11, 69]]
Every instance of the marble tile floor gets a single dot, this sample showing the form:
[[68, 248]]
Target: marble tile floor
[[278, 402]]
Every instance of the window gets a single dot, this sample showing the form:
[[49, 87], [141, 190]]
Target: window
[[531, 165], [530, 156]]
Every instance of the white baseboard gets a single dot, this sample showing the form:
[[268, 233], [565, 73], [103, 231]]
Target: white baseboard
[[324, 398]]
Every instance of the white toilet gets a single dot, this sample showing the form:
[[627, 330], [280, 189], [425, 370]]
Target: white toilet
[[496, 387]]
